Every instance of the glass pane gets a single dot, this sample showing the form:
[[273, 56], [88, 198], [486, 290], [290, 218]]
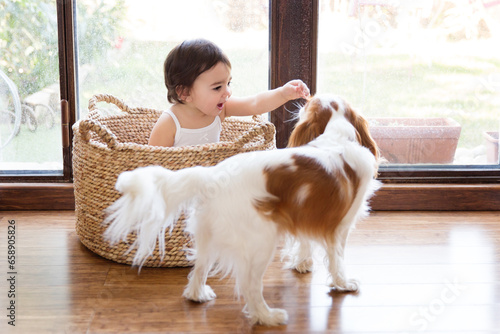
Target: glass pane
[[426, 73], [122, 45], [30, 121]]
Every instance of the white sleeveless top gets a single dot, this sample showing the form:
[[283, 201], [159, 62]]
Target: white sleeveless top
[[187, 137]]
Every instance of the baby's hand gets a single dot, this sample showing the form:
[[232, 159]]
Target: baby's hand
[[295, 89]]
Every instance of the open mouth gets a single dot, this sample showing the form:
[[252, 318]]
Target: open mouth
[[220, 106]]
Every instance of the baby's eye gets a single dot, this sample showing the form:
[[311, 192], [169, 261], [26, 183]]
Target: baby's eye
[[229, 83], [217, 88]]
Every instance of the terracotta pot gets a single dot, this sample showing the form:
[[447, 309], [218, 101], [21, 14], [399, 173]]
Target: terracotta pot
[[416, 140], [491, 139]]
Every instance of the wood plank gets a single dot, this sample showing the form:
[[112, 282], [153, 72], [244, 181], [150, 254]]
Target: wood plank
[[37, 196], [437, 272], [391, 197], [439, 197]]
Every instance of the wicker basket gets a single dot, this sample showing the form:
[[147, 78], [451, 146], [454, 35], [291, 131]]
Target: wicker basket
[[105, 146]]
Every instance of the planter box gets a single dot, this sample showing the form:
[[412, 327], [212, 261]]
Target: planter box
[[416, 140], [491, 147]]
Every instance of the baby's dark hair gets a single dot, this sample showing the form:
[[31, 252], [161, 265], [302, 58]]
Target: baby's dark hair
[[186, 62]]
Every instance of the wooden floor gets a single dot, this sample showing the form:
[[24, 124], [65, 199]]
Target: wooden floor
[[420, 273]]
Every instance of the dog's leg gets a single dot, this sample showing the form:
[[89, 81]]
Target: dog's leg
[[300, 254], [250, 275], [197, 290], [335, 253]]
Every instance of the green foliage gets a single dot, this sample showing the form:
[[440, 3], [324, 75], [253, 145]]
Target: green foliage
[[239, 15], [99, 26], [29, 44]]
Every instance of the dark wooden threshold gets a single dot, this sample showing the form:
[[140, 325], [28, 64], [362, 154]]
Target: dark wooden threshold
[[36, 196], [437, 197], [391, 197]]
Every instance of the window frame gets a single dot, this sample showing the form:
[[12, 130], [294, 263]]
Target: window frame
[[67, 82], [294, 42], [293, 54]]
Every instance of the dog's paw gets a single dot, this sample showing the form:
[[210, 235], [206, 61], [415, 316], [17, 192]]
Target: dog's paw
[[273, 317], [201, 294], [304, 266], [351, 285]]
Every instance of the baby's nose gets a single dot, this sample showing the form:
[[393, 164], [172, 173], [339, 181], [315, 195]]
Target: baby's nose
[[227, 93]]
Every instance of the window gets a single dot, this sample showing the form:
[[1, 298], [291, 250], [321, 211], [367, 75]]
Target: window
[[122, 45], [118, 47], [426, 74], [30, 121]]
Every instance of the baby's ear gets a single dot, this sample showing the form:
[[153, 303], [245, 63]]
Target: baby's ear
[[182, 92]]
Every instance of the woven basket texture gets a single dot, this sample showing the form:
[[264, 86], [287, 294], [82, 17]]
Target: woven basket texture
[[106, 145]]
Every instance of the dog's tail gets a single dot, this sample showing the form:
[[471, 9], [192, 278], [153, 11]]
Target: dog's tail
[[152, 200]]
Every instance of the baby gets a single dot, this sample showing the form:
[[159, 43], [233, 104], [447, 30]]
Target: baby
[[198, 79]]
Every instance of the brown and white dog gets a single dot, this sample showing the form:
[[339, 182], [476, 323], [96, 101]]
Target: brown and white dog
[[314, 191]]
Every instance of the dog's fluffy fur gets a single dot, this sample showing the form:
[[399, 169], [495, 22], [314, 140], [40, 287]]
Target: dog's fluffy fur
[[313, 191]]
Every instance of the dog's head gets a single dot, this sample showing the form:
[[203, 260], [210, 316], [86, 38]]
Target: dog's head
[[322, 109]]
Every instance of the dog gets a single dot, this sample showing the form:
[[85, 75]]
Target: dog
[[313, 192]]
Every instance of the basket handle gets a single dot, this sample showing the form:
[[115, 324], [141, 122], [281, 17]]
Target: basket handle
[[87, 125], [264, 128], [108, 99]]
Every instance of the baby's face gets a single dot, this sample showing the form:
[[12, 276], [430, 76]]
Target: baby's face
[[211, 90]]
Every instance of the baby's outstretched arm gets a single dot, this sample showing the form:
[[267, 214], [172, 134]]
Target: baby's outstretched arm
[[266, 101]]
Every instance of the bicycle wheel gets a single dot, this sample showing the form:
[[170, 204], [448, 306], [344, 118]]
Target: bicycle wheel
[[45, 115], [8, 120], [10, 104], [29, 117]]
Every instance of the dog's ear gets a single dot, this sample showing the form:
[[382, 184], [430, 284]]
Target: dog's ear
[[312, 123], [362, 130]]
